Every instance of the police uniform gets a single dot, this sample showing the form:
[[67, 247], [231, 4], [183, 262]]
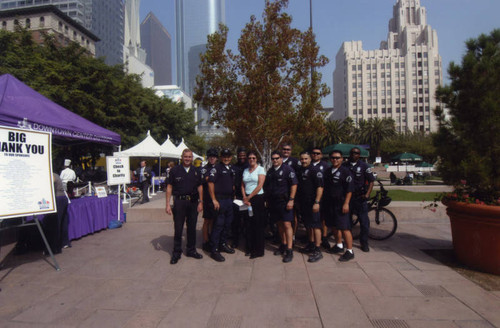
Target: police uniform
[[293, 162], [338, 182], [185, 185], [277, 192], [310, 179], [222, 177], [361, 175], [209, 212], [236, 225]]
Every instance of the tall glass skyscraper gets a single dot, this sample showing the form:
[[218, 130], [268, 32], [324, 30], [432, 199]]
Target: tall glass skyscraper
[[195, 20]]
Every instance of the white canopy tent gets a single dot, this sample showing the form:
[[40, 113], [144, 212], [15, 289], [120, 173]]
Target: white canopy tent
[[168, 149], [146, 148], [183, 146]]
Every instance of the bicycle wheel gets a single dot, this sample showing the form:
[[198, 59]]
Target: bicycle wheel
[[384, 227], [355, 226]]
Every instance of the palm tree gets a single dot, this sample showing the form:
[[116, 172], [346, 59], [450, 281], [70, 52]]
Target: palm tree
[[374, 130]]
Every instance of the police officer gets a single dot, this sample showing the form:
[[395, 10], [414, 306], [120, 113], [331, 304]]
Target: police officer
[[209, 213], [363, 184], [184, 183], [280, 187], [309, 193], [336, 196], [221, 189], [321, 165], [286, 152], [239, 167]]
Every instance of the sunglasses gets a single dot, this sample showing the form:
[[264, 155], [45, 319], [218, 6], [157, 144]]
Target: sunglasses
[[316, 153], [333, 157], [252, 157], [275, 158], [355, 153], [286, 149]]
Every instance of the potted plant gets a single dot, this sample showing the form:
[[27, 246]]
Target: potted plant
[[468, 145]]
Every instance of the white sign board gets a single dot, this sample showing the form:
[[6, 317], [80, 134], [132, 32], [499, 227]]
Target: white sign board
[[118, 169], [378, 159], [26, 183], [101, 192]]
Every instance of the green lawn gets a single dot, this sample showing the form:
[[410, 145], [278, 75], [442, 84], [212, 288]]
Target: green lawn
[[404, 195]]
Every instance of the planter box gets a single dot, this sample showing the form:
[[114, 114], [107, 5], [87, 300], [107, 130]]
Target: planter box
[[475, 230]]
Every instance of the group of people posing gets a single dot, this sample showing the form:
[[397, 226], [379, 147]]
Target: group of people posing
[[320, 194]]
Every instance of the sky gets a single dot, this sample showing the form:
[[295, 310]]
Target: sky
[[336, 21]]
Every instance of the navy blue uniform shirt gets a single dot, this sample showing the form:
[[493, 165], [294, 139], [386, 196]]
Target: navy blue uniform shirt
[[184, 183], [361, 174], [310, 179], [238, 171], [293, 162], [338, 183], [321, 166], [205, 171], [278, 182], [223, 179]]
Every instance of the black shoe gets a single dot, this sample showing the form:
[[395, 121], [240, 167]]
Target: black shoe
[[346, 256], [365, 248], [315, 256], [288, 256], [280, 250], [217, 256], [226, 249], [175, 258], [325, 244], [195, 255], [336, 250], [310, 247], [207, 246], [254, 256]]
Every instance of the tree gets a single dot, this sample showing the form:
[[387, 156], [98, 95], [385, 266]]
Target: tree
[[375, 130], [412, 142], [265, 94], [468, 140], [88, 87]]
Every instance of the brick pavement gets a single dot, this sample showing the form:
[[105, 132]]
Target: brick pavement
[[122, 278]]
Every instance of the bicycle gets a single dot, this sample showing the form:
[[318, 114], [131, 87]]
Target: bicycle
[[383, 223]]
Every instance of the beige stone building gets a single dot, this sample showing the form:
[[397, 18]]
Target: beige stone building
[[398, 80]]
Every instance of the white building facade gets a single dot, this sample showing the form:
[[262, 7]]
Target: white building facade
[[398, 80]]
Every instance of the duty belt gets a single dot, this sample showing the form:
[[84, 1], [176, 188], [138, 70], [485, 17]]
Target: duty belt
[[187, 197]]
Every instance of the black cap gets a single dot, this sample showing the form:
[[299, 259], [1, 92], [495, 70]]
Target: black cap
[[212, 152], [241, 149], [225, 152]]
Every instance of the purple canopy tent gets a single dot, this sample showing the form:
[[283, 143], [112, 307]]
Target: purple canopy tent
[[23, 107]]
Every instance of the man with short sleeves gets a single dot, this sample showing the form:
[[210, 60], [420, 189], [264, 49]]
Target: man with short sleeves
[[184, 184], [209, 213], [363, 184], [221, 190], [239, 167], [337, 196], [286, 153], [280, 187]]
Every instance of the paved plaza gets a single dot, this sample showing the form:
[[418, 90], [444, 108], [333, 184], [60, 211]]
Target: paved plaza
[[122, 278]]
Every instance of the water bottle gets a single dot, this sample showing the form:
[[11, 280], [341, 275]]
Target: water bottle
[[250, 211]]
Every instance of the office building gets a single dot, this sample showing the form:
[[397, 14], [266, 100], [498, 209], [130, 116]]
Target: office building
[[195, 20], [398, 80], [51, 21], [157, 42], [104, 18]]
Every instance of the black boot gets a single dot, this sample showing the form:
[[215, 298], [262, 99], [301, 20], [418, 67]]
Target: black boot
[[288, 256]]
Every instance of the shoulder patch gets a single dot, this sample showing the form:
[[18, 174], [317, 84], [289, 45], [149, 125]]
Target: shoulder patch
[[203, 170], [319, 175], [213, 171], [292, 175], [348, 179], [369, 170]]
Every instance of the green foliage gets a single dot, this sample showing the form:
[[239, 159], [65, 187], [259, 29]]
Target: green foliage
[[468, 140], [103, 94], [266, 94], [374, 131], [410, 142]]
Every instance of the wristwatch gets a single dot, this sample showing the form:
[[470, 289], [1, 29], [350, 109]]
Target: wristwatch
[[316, 202]]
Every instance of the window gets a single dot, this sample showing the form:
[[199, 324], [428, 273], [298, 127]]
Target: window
[[419, 55], [413, 64], [402, 65], [354, 75], [403, 109], [360, 85], [353, 67], [360, 111], [396, 65], [369, 110], [426, 108], [354, 111], [354, 85], [389, 110], [426, 54], [360, 67], [382, 66], [415, 109], [374, 75], [360, 75], [4, 25], [382, 75], [28, 23], [383, 110], [42, 21], [383, 101], [398, 110], [375, 111], [369, 93], [354, 93], [374, 84], [421, 118], [415, 119], [369, 102], [368, 66]]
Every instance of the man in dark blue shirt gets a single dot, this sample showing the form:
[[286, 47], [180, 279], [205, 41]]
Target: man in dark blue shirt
[[209, 213], [363, 184], [309, 193], [221, 189], [239, 167], [279, 190], [184, 183], [336, 198]]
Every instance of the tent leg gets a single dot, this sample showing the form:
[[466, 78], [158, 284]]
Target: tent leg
[[47, 244]]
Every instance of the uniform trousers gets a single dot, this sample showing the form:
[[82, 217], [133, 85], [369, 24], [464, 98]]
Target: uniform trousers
[[360, 208], [256, 226], [185, 211], [222, 224]]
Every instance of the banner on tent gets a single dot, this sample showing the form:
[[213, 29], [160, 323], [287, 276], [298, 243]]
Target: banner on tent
[[25, 173]]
